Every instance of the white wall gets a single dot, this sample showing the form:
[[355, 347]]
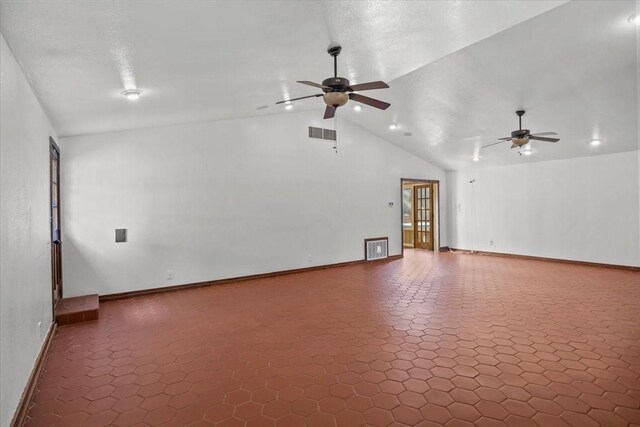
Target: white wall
[[25, 251], [582, 209], [225, 199]]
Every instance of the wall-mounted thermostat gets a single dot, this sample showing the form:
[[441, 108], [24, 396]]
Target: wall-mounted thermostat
[[121, 235]]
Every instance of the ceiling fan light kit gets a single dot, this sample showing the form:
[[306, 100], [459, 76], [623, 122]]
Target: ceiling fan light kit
[[335, 99], [338, 91]]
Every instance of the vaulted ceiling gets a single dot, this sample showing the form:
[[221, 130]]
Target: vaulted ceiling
[[457, 70], [574, 70]]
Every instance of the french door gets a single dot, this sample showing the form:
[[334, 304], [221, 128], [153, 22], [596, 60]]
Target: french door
[[423, 216]]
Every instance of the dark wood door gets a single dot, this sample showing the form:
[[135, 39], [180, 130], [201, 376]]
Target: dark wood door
[[423, 216], [56, 228]]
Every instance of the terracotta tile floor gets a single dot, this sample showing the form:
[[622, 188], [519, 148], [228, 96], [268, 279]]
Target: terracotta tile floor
[[428, 340]]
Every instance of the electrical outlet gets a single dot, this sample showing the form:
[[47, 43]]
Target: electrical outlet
[[491, 242], [309, 258], [169, 274]]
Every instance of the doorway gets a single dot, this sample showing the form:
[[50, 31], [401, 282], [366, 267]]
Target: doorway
[[420, 216], [54, 220]]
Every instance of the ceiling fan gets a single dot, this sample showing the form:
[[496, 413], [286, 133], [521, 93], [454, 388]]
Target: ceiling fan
[[337, 91], [522, 137]]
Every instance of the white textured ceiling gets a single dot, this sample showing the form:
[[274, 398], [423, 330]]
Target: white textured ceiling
[[457, 70], [198, 60]]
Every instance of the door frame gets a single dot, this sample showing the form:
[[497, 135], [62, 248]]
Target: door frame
[[52, 146], [420, 181]]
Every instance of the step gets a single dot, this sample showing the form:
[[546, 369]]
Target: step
[[77, 309]]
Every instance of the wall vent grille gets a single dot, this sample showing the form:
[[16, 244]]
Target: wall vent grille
[[319, 133], [329, 134], [376, 248], [315, 132]]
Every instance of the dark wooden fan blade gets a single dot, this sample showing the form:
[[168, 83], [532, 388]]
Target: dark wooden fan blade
[[541, 138], [295, 99], [369, 101], [505, 139], [318, 85], [543, 134], [329, 112], [495, 143], [369, 86]]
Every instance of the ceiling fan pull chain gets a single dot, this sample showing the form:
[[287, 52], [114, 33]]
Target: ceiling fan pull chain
[[335, 127]]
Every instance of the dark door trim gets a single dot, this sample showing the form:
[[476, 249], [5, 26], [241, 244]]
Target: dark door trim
[[426, 181], [55, 269]]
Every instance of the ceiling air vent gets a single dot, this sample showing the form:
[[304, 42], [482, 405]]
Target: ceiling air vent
[[376, 248], [319, 133]]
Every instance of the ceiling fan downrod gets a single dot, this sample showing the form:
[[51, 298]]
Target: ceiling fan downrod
[[520, 113], [335, 51]]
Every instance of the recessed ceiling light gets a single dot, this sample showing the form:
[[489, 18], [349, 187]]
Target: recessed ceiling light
[[132, 94], [288, 107], [596, 142], [476, 158], [634, 19], [357, 108], [393, 126]]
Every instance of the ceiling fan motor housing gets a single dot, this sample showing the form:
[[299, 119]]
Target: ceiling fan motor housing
[[336, 83]]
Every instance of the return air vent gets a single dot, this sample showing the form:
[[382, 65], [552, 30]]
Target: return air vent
[[319, 133], [329, 134], [376, 248], [315, 132]]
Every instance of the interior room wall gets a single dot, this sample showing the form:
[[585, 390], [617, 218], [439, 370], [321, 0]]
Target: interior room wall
[[583, 209], [225, 199], [25, 251]]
